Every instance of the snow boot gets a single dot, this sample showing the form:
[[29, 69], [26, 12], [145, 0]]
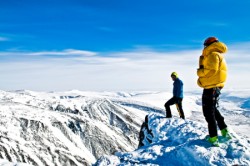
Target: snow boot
[[213, 140], [225, 133]]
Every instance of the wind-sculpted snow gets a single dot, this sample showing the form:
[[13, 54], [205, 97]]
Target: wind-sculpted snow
[[53, 129], [181, 142]]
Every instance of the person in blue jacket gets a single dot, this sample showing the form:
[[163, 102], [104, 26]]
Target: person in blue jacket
[[177, 97]]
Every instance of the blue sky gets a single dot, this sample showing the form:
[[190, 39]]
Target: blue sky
[[100, 42]]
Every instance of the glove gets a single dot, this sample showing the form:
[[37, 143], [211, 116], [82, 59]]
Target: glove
[[201, 66]]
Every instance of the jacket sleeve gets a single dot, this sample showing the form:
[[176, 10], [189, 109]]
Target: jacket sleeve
[[210, 67]]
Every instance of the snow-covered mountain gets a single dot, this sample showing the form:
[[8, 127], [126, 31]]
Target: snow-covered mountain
[[71, 128], [77, 128]]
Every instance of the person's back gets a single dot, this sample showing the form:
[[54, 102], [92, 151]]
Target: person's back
[[212, 75], [213, 69], [178, 88]]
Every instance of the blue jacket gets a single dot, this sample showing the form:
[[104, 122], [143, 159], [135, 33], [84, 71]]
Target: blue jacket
[[178, 88]]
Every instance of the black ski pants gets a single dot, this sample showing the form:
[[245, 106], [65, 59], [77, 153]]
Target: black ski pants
[[178, 102], [210, 99]]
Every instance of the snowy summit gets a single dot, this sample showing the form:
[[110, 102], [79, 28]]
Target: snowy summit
[[181, 142]]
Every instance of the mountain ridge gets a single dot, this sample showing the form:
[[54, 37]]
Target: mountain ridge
[[79, 127], [48, 129]]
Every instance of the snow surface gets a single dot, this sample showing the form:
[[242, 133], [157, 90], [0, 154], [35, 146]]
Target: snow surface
[[7, 163], [77, 128], [181, 142]]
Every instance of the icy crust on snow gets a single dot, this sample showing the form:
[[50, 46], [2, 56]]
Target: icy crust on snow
[[181, 142]]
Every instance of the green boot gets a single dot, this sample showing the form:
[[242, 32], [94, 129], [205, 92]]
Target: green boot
[[213, 140], [225, 133]]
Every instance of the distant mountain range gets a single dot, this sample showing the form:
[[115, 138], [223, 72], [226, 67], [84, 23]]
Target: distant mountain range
[[78, 128]]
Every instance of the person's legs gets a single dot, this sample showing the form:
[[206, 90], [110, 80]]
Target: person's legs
[[167, 107], [179, 108], [209, 111], [219, 118]]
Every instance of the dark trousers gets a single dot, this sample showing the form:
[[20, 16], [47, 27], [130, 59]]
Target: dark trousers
[[178, 103], [210, 98]]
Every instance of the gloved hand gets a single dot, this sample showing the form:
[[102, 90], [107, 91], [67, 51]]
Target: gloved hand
[[216, 92], [201, 66]]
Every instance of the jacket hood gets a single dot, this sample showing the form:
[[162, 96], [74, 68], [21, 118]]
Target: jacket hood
[[215, 47]]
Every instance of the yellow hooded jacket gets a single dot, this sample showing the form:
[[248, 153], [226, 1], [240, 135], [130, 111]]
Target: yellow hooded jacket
[[213, 69]]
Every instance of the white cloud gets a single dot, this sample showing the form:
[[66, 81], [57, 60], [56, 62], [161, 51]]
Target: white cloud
[[145, 69], [64, 52], [3, 39], [212, 23]]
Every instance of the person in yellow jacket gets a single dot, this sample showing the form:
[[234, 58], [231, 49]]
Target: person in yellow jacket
[[212, 73]]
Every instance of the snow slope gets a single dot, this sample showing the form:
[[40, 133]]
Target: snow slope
[[70, 128], [77, 128], [181, 142]]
